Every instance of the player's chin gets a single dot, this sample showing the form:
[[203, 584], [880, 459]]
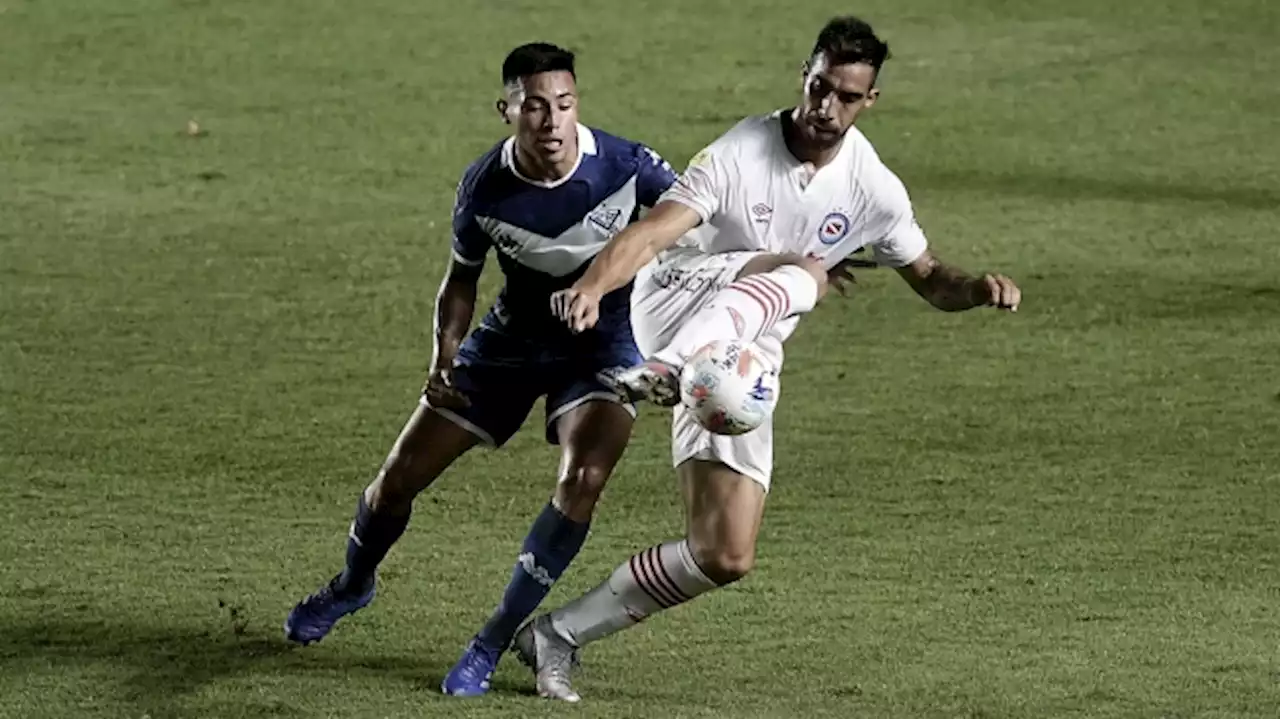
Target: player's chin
[[552, 155], [825, 136]]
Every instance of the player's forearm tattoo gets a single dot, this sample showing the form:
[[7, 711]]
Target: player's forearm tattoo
[[947, 287]]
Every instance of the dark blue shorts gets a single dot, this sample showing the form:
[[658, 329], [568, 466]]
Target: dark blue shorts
[[504, 374]]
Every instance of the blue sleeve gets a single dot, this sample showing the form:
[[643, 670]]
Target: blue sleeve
[[653, 176], [470, 242]]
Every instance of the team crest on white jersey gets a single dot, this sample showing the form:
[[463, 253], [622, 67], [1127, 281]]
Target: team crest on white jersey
[[834, 227]]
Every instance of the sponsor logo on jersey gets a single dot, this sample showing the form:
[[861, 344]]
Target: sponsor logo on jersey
[[506, 241], [681, 280], [761, 212], [834, 227], [606, 218]]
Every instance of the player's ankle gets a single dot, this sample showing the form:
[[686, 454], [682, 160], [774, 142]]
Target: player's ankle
[[489, 645], [348, 585], [562, 632]]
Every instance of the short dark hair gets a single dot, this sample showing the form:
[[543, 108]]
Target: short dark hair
[[533, 58], [848, 40]]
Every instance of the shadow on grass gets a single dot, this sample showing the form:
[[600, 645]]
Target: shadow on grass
[[156, 669]]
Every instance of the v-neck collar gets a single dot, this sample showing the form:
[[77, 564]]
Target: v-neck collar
[[800, 172]]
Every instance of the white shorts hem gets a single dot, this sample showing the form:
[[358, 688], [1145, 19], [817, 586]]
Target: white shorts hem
[[461, 421], [708, 454], [589, 397]]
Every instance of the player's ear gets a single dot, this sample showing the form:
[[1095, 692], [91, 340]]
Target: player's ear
[[872, 96], [501, 106]]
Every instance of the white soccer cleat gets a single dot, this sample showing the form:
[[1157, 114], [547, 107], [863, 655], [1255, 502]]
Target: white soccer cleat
[[550, 657], [653, 381]]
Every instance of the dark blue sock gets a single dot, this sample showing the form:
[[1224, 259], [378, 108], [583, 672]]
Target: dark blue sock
[[553, 542], [369, 541]]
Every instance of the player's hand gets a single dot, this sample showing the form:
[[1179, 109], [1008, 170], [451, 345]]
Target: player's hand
[[578, 308], [841, 278], [441, 393], [995, 291]]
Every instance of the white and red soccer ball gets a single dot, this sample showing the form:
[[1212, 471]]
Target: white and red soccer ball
[[729, 386]]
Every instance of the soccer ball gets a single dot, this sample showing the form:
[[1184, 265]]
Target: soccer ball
[[729, 386]]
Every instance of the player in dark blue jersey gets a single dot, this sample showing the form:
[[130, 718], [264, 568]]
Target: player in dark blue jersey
[[546, 199]]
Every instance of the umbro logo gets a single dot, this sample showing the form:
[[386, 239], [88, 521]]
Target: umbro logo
[[530, 566], [761, 212]]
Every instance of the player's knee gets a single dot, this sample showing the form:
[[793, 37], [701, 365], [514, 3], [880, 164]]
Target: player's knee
[[398, 483], [726, 564], [583, 483]]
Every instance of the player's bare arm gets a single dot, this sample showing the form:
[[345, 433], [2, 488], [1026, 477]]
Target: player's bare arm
[[620, 260], [951, 289], [455, 305]]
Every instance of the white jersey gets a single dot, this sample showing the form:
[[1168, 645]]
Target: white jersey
[[753, 194]]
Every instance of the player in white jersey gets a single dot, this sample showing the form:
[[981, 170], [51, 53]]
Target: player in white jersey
[[745, 242]]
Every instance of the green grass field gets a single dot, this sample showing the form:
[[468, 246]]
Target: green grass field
[[207, 345]]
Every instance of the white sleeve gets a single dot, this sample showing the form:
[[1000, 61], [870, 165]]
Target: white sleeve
[[898, 239], [703, 183]]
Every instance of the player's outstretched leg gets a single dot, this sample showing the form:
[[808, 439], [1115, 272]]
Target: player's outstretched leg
[[593, 437], [427, 445], [724, 510], [768, 289]]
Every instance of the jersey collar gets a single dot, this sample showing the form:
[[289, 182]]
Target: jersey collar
[[586, 146], [798, 170]]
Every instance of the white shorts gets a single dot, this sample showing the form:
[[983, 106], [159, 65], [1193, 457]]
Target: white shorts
[[668, 291]]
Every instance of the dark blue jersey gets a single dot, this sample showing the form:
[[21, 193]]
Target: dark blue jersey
[[546, 233]]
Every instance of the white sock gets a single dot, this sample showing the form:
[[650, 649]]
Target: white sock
[[745, 309], [656, 579]]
